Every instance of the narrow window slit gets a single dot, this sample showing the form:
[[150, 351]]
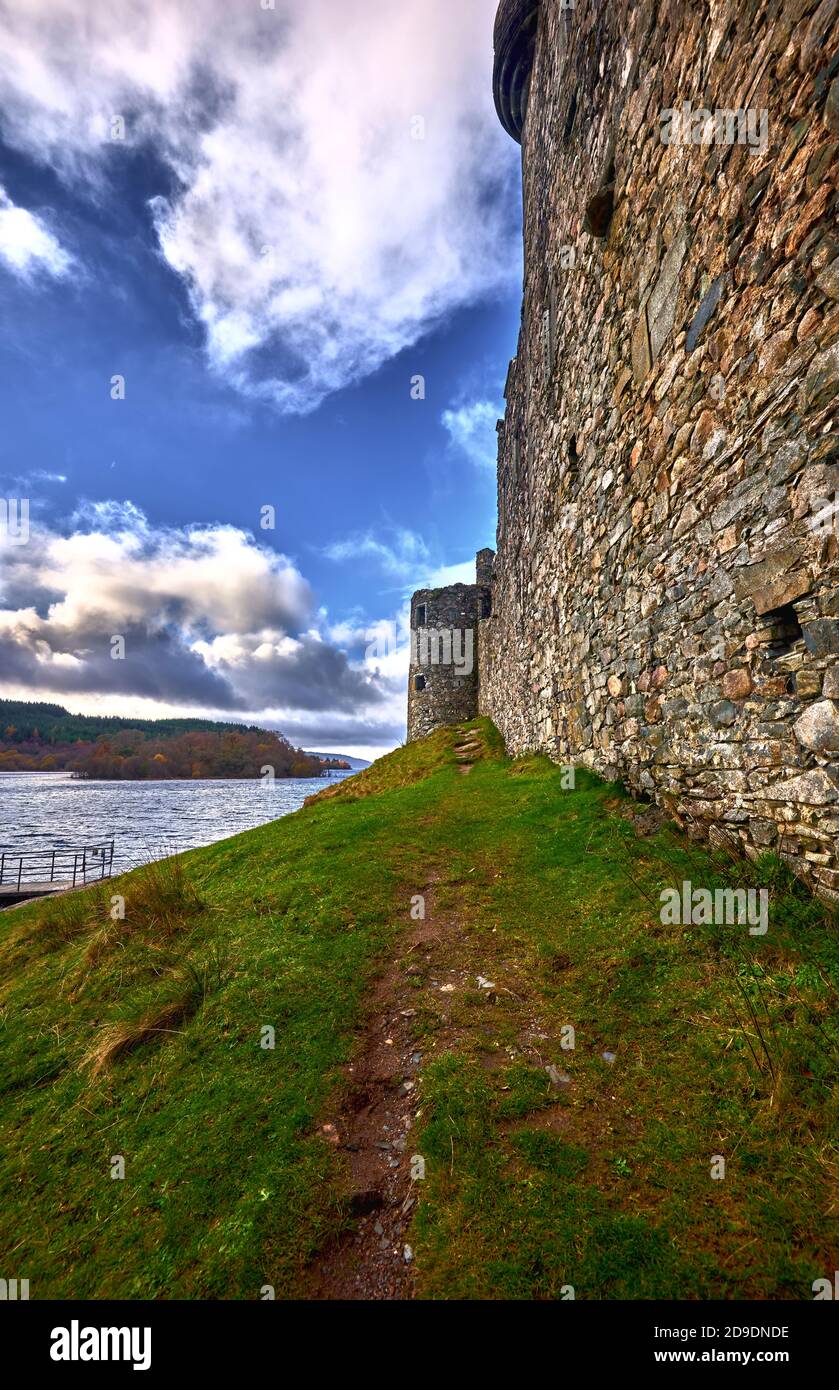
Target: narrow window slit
[[572, 112]]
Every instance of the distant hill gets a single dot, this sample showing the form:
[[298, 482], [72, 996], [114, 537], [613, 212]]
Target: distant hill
[[341, 758], [45, 738], [54, 724]]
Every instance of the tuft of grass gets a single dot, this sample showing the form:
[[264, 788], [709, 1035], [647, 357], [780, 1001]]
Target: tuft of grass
[[162, 898], [118, 1039], [61, 919], [160, 902]]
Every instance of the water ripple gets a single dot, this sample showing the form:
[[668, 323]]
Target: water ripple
[[148, 820]]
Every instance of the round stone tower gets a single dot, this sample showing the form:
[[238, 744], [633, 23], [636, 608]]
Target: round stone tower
[[516, 25], [445, 626]]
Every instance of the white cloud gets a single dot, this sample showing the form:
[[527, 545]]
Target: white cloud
[[317, 238], [471, 429], [463, 573], [26, 244], [405, 555], [212, 621], [122, 570]]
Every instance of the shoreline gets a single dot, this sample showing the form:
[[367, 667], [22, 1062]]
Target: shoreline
[[155, 781]]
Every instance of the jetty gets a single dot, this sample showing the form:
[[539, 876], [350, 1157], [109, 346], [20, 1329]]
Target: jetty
[[37, 873]]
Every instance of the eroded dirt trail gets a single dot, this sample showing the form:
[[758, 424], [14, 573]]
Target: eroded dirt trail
[[373, 1129], [374, 1125]]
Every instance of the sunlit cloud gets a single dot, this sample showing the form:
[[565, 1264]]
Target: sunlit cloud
[[204, 619], [27, 246], [340, 175], [471, 431], [402, 555]]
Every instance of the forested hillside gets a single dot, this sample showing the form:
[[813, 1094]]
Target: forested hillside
[[46, 738], [22, 721]]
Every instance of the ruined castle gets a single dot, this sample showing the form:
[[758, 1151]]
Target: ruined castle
[[663, 605]]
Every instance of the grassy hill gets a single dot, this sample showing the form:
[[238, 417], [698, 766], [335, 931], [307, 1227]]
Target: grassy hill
[[421, 938]]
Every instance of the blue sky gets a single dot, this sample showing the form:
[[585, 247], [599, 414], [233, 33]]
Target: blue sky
[[268, 244]]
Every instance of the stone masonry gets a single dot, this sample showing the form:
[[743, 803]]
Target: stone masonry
[[665, 594], [443, 679]]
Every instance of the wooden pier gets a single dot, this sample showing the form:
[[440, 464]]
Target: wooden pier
[[38, 873]]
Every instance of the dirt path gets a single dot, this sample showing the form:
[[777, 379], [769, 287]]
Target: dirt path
[[373, 1127], [373, 1130]]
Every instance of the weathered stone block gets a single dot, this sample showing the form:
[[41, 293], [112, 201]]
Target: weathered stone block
[[640, 348], [818, 727], [828, 280], [831, 107], [830, 688], [814, 788], [821, 637], [770, 584], [737, 685], [661, 307], [722, 714], [821, 384], [702, 317]]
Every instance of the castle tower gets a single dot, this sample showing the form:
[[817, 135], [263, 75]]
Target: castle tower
[[666, 585], [445, 627], [516, 25]]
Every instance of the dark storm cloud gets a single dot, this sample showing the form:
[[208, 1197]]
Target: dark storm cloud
[[207, 618], [307, 674], [359, 731], [155, 667]]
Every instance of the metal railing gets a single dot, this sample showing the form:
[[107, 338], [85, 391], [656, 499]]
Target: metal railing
[[70, 866]]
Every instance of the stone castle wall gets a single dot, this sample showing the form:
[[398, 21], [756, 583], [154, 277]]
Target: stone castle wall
[[666, 592]]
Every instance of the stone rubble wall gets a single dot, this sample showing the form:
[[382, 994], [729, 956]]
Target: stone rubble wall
[[665, 604]]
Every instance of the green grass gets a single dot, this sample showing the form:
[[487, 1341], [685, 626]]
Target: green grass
[[141, 1038]]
